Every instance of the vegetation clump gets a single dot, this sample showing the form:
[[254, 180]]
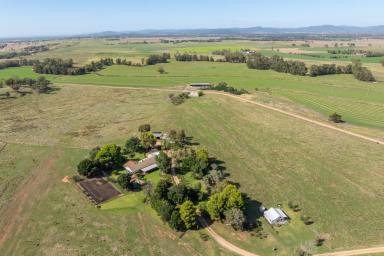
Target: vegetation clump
[[185, 57], [362, 73], [330, 69], [39, 85], [336, 118], [66, 67], [224, 87], [178, 99], [158, 58]]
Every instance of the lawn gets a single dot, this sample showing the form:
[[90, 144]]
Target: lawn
[[335, 178]]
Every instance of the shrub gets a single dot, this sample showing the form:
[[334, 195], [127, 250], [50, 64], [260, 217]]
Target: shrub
[[235, 217], [124, 180], [306, 219], [336, 118], [294, 206], [188, 214], [161, 70]]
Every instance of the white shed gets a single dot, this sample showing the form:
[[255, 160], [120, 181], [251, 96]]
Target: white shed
[[275, 216]]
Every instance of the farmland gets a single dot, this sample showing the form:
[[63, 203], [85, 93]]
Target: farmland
[[336, 183], [334, 177], [359, 103]]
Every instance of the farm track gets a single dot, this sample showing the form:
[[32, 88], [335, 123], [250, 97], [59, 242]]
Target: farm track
[[13, 213]]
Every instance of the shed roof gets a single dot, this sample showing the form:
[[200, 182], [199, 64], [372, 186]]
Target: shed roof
[[273, 214]]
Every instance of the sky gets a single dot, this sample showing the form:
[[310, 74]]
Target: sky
[[71, 17]]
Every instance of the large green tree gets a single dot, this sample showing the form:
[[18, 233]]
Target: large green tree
[[148, 140], [230, 197], [109, 156], [164, 162], [88, 168], [188, 214], [132, 145]]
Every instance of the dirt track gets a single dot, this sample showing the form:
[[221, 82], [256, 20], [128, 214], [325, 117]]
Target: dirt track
[[12, 219], [372, 250]]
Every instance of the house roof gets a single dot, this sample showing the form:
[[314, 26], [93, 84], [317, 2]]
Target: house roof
[[273, 214], [135, 166]]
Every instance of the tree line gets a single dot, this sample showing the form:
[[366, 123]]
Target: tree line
[[192, 57], [224, 87], [17, 63], [276, 63], [329, 69], [355, 52], [58, 66]]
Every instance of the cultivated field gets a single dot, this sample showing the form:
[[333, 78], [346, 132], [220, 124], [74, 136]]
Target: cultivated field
[[335, 178]]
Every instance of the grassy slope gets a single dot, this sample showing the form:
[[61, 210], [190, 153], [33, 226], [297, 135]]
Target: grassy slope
[[359, 103], [62, 222], [336, 178]]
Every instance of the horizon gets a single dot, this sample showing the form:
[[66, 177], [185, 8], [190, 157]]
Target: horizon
[[29, 19]]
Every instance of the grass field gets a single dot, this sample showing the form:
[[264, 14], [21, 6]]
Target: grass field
[[335, 178], [358, 102]]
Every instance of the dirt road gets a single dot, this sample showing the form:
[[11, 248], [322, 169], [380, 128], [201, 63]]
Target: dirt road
[[371, 250], [12, 217]]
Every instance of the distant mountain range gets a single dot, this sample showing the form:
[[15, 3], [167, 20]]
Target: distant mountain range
[[325, 29]]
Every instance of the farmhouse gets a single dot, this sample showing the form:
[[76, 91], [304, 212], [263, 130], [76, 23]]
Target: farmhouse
[[146, 165], [275, 216], [201, 85]]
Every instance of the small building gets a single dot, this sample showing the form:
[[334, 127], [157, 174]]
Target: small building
[[146, 165], [194, 94], [201, 85], [158, 135], [275, 216], [153, 153]]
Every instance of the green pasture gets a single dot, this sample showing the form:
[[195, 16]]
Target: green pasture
[[358, 102]]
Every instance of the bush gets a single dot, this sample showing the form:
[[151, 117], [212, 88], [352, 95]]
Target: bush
[[223, 86], [161, 70], [294, 206], [124, 180], [235, 217], [306, 219], [188, 214], [88, 168], [336, 118]]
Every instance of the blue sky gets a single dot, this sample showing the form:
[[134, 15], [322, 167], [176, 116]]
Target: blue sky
[[58, 17]]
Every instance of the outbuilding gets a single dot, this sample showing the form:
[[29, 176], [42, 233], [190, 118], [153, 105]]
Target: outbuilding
[[275, 216], [201, 85]]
